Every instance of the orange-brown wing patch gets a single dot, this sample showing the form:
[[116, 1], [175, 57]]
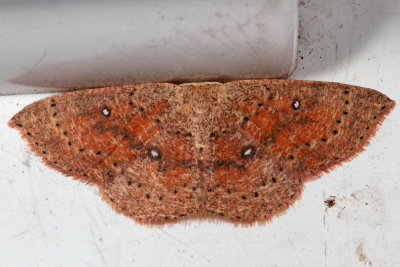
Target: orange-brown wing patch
[[95, 128], [245, 184], [292, 132], [313, 126], [162, 185]]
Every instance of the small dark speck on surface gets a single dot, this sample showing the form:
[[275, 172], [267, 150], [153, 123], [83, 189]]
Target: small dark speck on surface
[[330, 202]]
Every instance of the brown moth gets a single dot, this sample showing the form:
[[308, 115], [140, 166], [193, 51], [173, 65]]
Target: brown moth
[[240, 151]]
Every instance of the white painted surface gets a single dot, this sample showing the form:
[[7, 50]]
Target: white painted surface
[[50, 220]]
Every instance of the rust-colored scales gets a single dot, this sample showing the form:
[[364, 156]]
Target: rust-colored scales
[[240, 150]]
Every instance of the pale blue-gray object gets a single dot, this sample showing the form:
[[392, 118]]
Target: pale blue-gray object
[[51, 46]]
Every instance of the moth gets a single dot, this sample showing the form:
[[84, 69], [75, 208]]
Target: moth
[[240, 150]]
